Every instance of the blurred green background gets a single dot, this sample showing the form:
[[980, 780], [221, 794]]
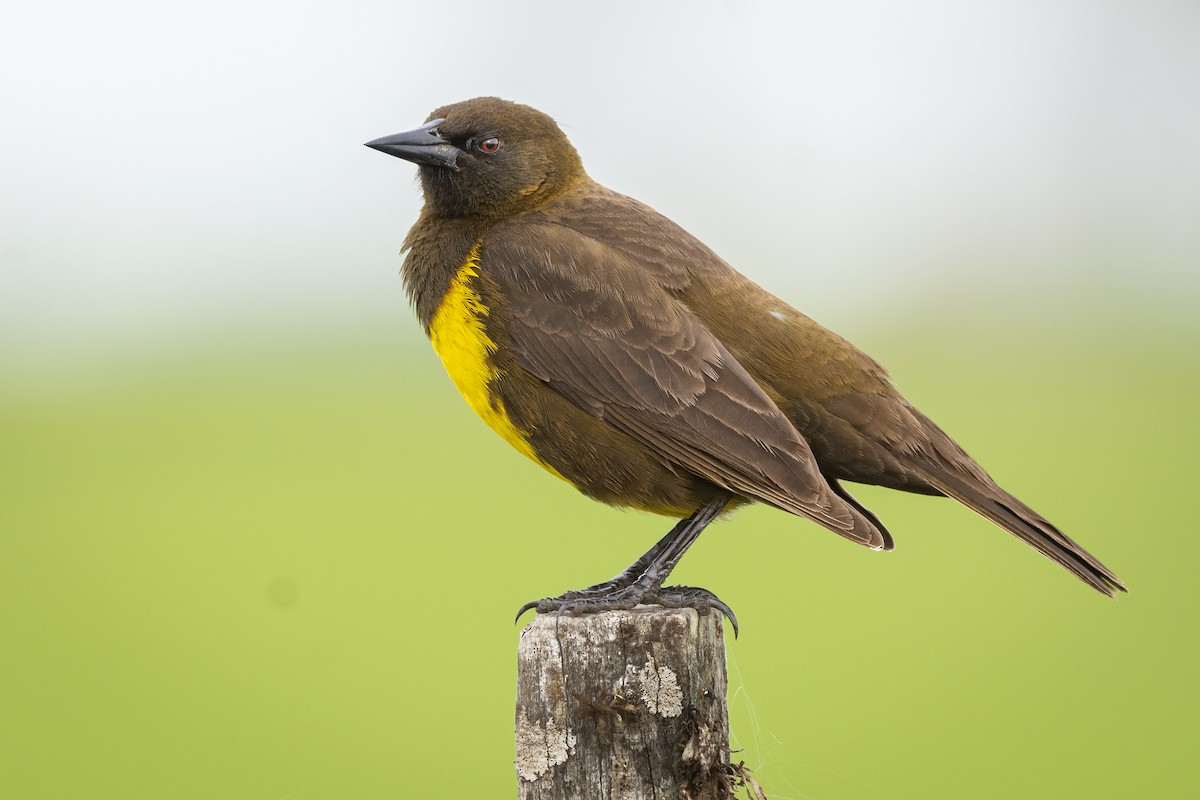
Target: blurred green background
[[255, 546], [291, 572]]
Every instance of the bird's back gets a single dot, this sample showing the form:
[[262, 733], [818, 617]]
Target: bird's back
[[804, 367]]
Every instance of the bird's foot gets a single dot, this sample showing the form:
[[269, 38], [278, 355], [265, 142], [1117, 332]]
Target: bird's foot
[[641, 581], [692, 597], [610, 596], [607, 596]]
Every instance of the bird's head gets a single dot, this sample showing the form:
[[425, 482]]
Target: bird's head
[[488, 157]]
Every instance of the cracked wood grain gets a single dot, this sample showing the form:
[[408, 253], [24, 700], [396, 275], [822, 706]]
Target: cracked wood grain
[[623, 705]]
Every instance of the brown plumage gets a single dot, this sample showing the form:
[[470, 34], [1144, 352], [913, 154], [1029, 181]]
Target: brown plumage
[[634, 362]]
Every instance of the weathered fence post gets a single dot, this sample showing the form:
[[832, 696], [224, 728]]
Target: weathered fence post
[[623, 704]]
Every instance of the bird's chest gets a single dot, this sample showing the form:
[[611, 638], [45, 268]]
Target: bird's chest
[[459, 334]]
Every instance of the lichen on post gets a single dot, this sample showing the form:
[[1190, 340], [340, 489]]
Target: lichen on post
[[623, 704]]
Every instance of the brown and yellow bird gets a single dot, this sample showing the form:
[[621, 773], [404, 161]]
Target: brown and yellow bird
[[620, 353]]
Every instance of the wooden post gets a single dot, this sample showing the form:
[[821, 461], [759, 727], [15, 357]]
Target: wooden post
[[623, 704]]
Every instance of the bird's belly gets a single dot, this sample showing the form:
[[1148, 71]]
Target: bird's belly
[[461, 340]]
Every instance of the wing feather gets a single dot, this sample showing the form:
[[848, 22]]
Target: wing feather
[[609, 337]]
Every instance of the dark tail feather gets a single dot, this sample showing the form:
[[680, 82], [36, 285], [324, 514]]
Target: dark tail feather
[[1009, 513]]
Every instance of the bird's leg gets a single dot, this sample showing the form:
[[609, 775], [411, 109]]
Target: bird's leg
[[625, 578], [642, 581], [618, 582]]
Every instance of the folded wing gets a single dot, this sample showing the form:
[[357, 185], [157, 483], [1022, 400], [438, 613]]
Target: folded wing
[[607, 336]]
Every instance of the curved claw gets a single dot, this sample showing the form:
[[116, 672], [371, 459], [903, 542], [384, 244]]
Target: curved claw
[[521, 611], [691, 597], [728, 612]]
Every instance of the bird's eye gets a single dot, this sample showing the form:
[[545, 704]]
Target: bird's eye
[[489, 145]]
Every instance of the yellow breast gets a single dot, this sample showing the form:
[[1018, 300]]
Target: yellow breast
[[462, 342]]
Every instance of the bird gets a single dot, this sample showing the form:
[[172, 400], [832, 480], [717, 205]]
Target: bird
[[620, 353]]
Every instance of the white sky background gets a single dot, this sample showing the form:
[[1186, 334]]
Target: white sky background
[[171, 170]]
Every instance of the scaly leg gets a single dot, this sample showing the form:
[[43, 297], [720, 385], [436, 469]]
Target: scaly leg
[[642, 581]]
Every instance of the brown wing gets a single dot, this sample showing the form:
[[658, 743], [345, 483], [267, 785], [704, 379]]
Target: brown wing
[[604, 333]]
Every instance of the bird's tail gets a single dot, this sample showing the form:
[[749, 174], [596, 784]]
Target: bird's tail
[[989, 500]]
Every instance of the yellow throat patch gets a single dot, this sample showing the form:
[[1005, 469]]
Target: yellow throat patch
[[461, 341]]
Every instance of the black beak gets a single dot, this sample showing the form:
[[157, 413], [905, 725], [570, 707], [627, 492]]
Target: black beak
[[421, 146]]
